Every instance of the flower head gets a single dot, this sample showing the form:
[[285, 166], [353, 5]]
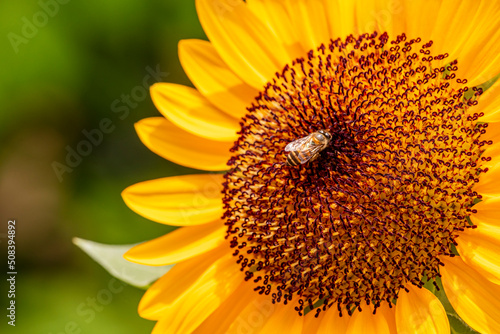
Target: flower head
[[386, 198], [346, 238]]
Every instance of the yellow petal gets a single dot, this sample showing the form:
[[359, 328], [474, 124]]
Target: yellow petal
[[420, 19], [208, 278], [473, 297], [493, 129], [383, 322], [480, 59], [341, 21], [247, 45], [453, 24], [174, 144], [179, 245], [312, 324], [381, 16], [466, 31], [419, 311], [489, 104], [487, 212], [245, 311], [492, 151], [285, 319], [172, 286], [203, 299], [489, 182], [311, 16], [188, 109], [179, 200], [214, 79], [332, 323], [480, 249], [274, 15]]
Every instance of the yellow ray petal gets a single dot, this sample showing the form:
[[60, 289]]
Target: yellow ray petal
[[453, 23], [383, 322], [245, 311], [203, 298], [170, 288], [489, 182], [473, 297], [487, 212], [179, 245], [332, 323], [339, 14], [174, 144], [420, 312], [482, 63], [493, 129], [285, 319], [311, 15], [312, 324], [179, 200], [274, 15], [489, 104], [381, 16], [479, 248], [188, 109], [247, 45], [420, 19], [214, 79], [208, 278], [463, 29], [479, 59], [493, 152]]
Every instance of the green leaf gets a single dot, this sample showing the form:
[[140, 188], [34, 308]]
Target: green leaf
[[486, 85], [110, 257], [458, 326]]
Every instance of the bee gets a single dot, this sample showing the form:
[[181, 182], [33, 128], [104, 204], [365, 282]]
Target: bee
[[307, 148]]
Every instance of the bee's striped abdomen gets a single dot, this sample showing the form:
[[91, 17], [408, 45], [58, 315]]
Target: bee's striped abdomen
[[307, 148], [292, 159]]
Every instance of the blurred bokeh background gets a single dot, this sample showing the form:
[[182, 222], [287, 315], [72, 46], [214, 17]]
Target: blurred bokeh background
[[65, 67]]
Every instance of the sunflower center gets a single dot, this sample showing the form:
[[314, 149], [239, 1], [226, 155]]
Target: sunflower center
[[382, 201]]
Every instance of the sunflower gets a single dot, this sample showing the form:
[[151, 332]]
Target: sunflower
[[400, 199]]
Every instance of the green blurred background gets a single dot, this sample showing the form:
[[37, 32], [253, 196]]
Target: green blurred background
[[59, 78]]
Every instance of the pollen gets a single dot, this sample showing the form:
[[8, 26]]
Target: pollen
[[382, 202]]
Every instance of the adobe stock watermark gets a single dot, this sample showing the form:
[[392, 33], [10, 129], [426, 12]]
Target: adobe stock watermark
[[202, 199], [31, 26], [87, 310], [254, 318], [121, 107], [382, 18]]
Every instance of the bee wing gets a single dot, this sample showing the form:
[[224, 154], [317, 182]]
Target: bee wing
[[296, 145], [308, 151]]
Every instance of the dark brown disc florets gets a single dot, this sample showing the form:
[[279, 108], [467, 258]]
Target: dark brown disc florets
[[382, 202]]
